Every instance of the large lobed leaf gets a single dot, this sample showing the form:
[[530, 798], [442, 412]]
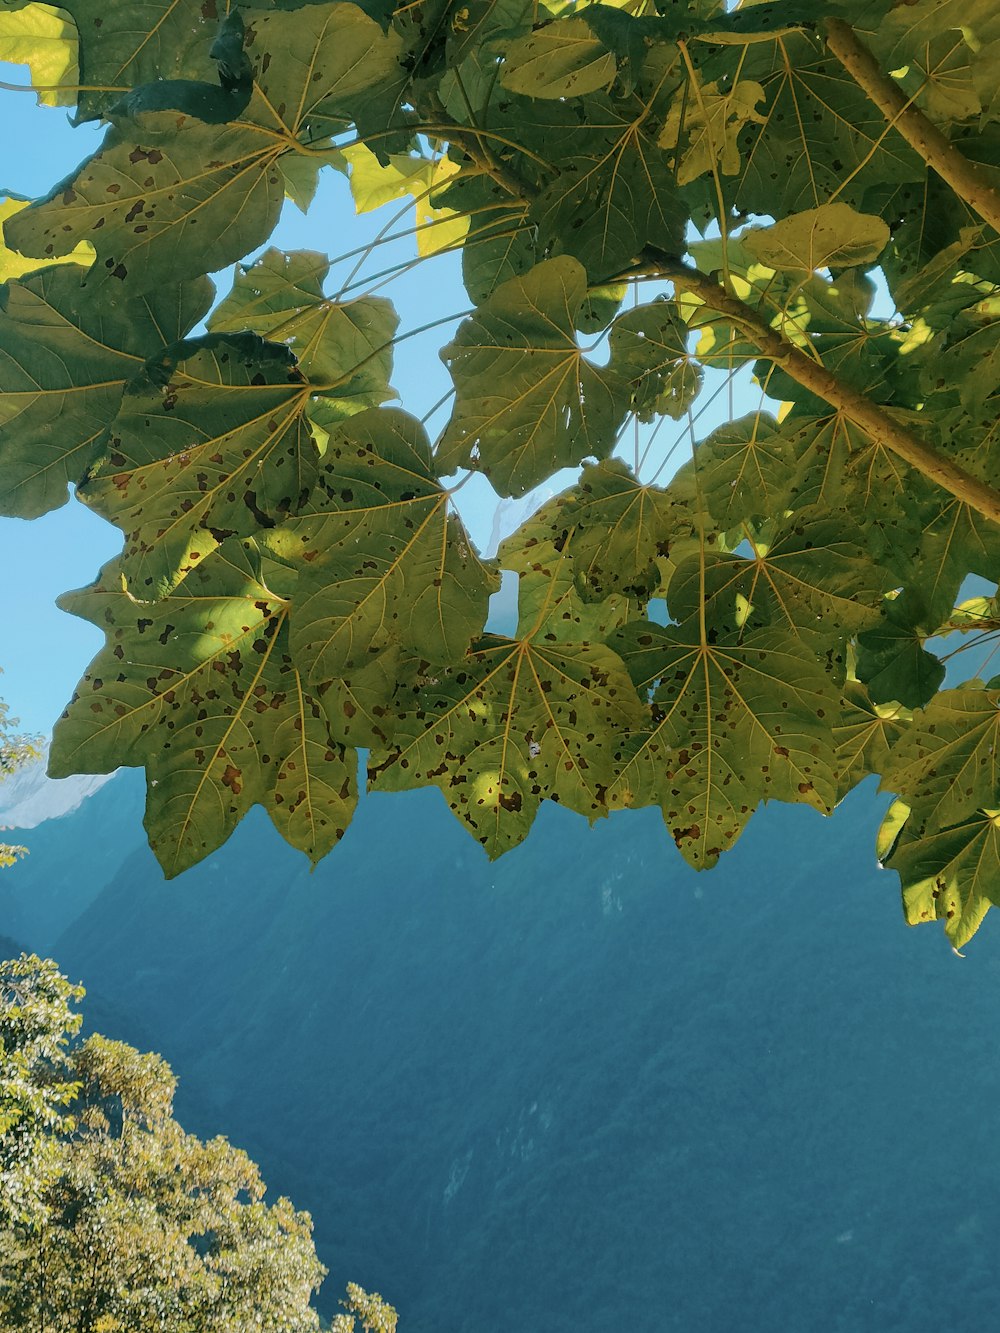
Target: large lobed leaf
[[527, 400], [733, 724], [64, 363], [202, 690], [211, 441]]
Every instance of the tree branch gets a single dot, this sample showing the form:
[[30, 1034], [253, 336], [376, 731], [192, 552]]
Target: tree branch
[[872, 419], [923, 136]]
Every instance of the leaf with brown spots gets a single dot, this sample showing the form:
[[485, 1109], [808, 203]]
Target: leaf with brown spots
[[123, 46], [560, 59], [732, 724], [948, 761], [201, 689], [518, 721], [211, 441], [613, 528], [173, 191], [64, 363], [385, 565], [166, 197], [943, 835], [948, 873], [317, 67], [345, 347], [808, 574]]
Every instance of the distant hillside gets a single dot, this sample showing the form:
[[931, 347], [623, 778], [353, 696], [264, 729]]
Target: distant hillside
[[580, 1089], [84, 830]]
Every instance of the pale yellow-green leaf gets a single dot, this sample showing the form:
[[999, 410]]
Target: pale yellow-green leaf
[[831, 235], [44, 39], [563, 59], [374, 183], [705, 126], [13, 265]]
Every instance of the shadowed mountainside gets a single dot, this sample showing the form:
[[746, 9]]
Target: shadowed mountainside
[[581, 1082]]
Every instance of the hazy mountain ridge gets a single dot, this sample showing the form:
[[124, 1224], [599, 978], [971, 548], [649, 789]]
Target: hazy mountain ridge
[[581, 1082], [29, 798]]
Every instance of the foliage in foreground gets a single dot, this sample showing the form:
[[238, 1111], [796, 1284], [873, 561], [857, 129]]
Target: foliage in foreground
[[111, 1216], [295, 581], [16, 750]]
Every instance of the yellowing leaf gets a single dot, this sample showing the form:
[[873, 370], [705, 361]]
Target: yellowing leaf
[[374, 183], [13, 265], [44, 39], [705, 127]]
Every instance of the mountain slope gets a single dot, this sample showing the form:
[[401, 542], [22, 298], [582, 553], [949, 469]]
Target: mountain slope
[[582, 1082]]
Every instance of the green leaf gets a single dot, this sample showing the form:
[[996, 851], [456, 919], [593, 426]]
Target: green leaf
[[935, 49], [613, 528], [301, 174], [170, 193], [946, 769], [834, 235], [385, 566], [516, 721], [956, 542], [820, 135], [479, 24], [500, 243], [344, 347], [318, 66], [949, 874], [64, 363], [865, 734], [649, 348], [732, 725], [743, 470], [948, 763], [211, 441], [167, 197], [808, 573], [561, 59], [122, 47], [615, 191], [201, 689], [892, 659], [527, 400]]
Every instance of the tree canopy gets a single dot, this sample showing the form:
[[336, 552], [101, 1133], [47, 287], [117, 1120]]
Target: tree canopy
[[16, 750], [648, 196], [111, 1216]]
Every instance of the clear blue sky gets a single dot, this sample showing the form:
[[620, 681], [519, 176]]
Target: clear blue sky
[[43, 651]]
